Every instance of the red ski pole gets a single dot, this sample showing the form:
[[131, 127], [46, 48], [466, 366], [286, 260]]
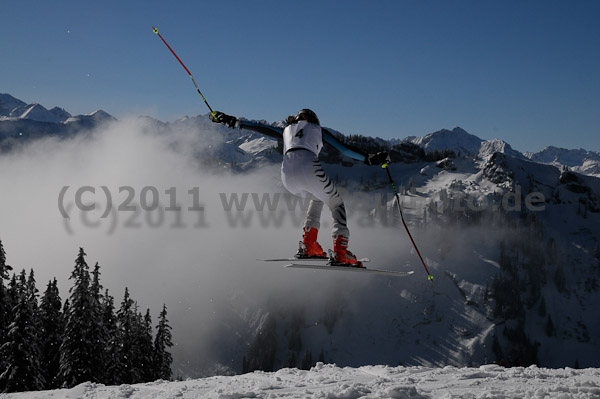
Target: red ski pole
[[184, 67], [385, 166]]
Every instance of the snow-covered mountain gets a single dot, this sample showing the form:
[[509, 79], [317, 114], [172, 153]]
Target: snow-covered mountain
[[496, 285], [459, 141], [456, 139], [582, 161], [490, 147], [21, 122], [513, 244], [8, 103], [37, 112], [12, 108]]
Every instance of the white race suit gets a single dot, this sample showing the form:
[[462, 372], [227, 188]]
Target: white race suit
[[301, 171]]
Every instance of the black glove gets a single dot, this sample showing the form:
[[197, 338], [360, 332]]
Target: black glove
[[219, 117], [378, 159]]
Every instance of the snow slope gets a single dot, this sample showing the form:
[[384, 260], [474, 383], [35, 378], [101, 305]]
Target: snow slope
[[368, 382]]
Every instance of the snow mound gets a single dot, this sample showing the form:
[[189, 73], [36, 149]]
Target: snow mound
[[333, 382]]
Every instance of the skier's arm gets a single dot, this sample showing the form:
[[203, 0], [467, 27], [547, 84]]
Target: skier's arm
[[370, 159], [267, 130], [233, 122], [345, 149]]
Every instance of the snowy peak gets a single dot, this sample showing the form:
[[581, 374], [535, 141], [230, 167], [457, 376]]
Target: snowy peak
[[582, 161], [491, 147], [38, 113], [460, 141], [19, 117], [456, 139], [96, 116], [563, 156], [12, 108], [60, 113], [21, 122], [8, 103]]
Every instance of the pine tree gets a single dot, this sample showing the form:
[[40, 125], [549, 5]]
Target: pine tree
[[5, 305], [13, 292], [146, 349], [66, 309], [76, 357], [52, 328], [98, 333], [137, 334], [21, 350], [126, 318], [32, 291], [114, 366], [32, 298], [163, 341]]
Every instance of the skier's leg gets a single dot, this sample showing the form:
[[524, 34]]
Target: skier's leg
[[301, 172], [294, 181], [313, 215], [321, 186]]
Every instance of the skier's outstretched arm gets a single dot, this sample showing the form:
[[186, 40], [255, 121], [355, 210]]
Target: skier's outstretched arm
[[345, 149], [353, 152], [267, 130], [234, 122]]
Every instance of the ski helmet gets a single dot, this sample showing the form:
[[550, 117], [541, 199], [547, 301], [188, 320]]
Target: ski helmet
[[307, 115]]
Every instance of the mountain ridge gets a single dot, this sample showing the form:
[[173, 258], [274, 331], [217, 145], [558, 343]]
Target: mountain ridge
[[18, 113]]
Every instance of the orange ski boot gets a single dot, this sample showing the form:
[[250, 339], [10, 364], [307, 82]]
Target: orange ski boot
[[309, 247], [341, 255]]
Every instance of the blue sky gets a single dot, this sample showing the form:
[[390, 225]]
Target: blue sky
[[522, 71]]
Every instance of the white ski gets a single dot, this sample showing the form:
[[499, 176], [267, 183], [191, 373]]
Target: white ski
[[350, 269], [363, 260]]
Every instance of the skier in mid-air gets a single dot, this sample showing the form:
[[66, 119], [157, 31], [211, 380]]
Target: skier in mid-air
[[302, 175]]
